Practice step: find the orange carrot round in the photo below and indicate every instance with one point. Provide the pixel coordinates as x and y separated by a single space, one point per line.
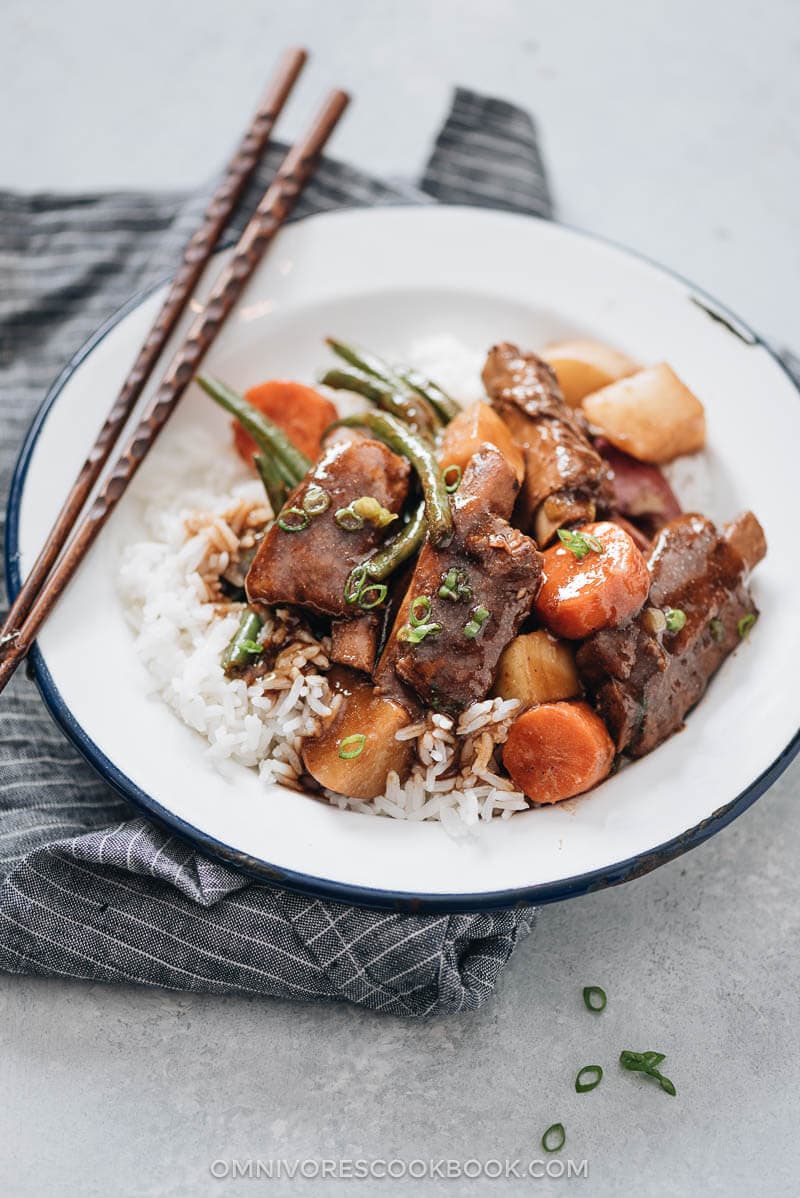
300 411
599 583
558 750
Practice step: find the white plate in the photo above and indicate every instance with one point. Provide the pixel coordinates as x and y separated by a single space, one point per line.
395 279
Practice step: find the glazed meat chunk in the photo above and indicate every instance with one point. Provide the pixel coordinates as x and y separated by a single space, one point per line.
309 567
646 676
354 643
466 601
565 478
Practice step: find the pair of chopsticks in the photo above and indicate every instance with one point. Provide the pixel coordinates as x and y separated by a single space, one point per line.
56 565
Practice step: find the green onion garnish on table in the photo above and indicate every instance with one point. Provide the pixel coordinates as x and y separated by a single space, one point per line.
588 1078
554 1138
594 998
646 1062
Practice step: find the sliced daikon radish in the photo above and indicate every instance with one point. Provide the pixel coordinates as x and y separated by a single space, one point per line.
585 366
653 416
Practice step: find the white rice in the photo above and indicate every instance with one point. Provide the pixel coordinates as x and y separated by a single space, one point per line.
167 584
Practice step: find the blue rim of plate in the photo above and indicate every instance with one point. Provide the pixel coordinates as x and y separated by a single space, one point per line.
263 871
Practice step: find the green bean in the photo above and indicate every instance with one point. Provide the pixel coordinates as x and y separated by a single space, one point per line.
400 377
377 391
399 549
270 439
363 360
396 399
239 651
274 485
445 407
381 565
402 440
288 474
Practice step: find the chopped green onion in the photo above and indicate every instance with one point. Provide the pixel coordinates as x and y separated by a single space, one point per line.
676 619
369 509
455 586
744 625
717 630
554 1138
352 746
452 478
646 1062
592 1072
380 593
473 627
348 519
419 611
594 998
580 543
415 634
355 584
316 501
293 519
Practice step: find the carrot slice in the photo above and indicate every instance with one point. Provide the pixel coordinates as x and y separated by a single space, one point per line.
300 411
580 595
558 750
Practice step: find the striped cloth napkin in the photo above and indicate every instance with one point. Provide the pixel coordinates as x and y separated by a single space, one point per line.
89 889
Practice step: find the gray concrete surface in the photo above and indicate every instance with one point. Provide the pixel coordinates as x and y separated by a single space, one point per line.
673 129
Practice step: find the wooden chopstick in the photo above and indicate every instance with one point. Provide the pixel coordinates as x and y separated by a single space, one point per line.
196 254
276 204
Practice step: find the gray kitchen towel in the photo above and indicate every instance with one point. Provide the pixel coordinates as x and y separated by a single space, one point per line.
89 889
